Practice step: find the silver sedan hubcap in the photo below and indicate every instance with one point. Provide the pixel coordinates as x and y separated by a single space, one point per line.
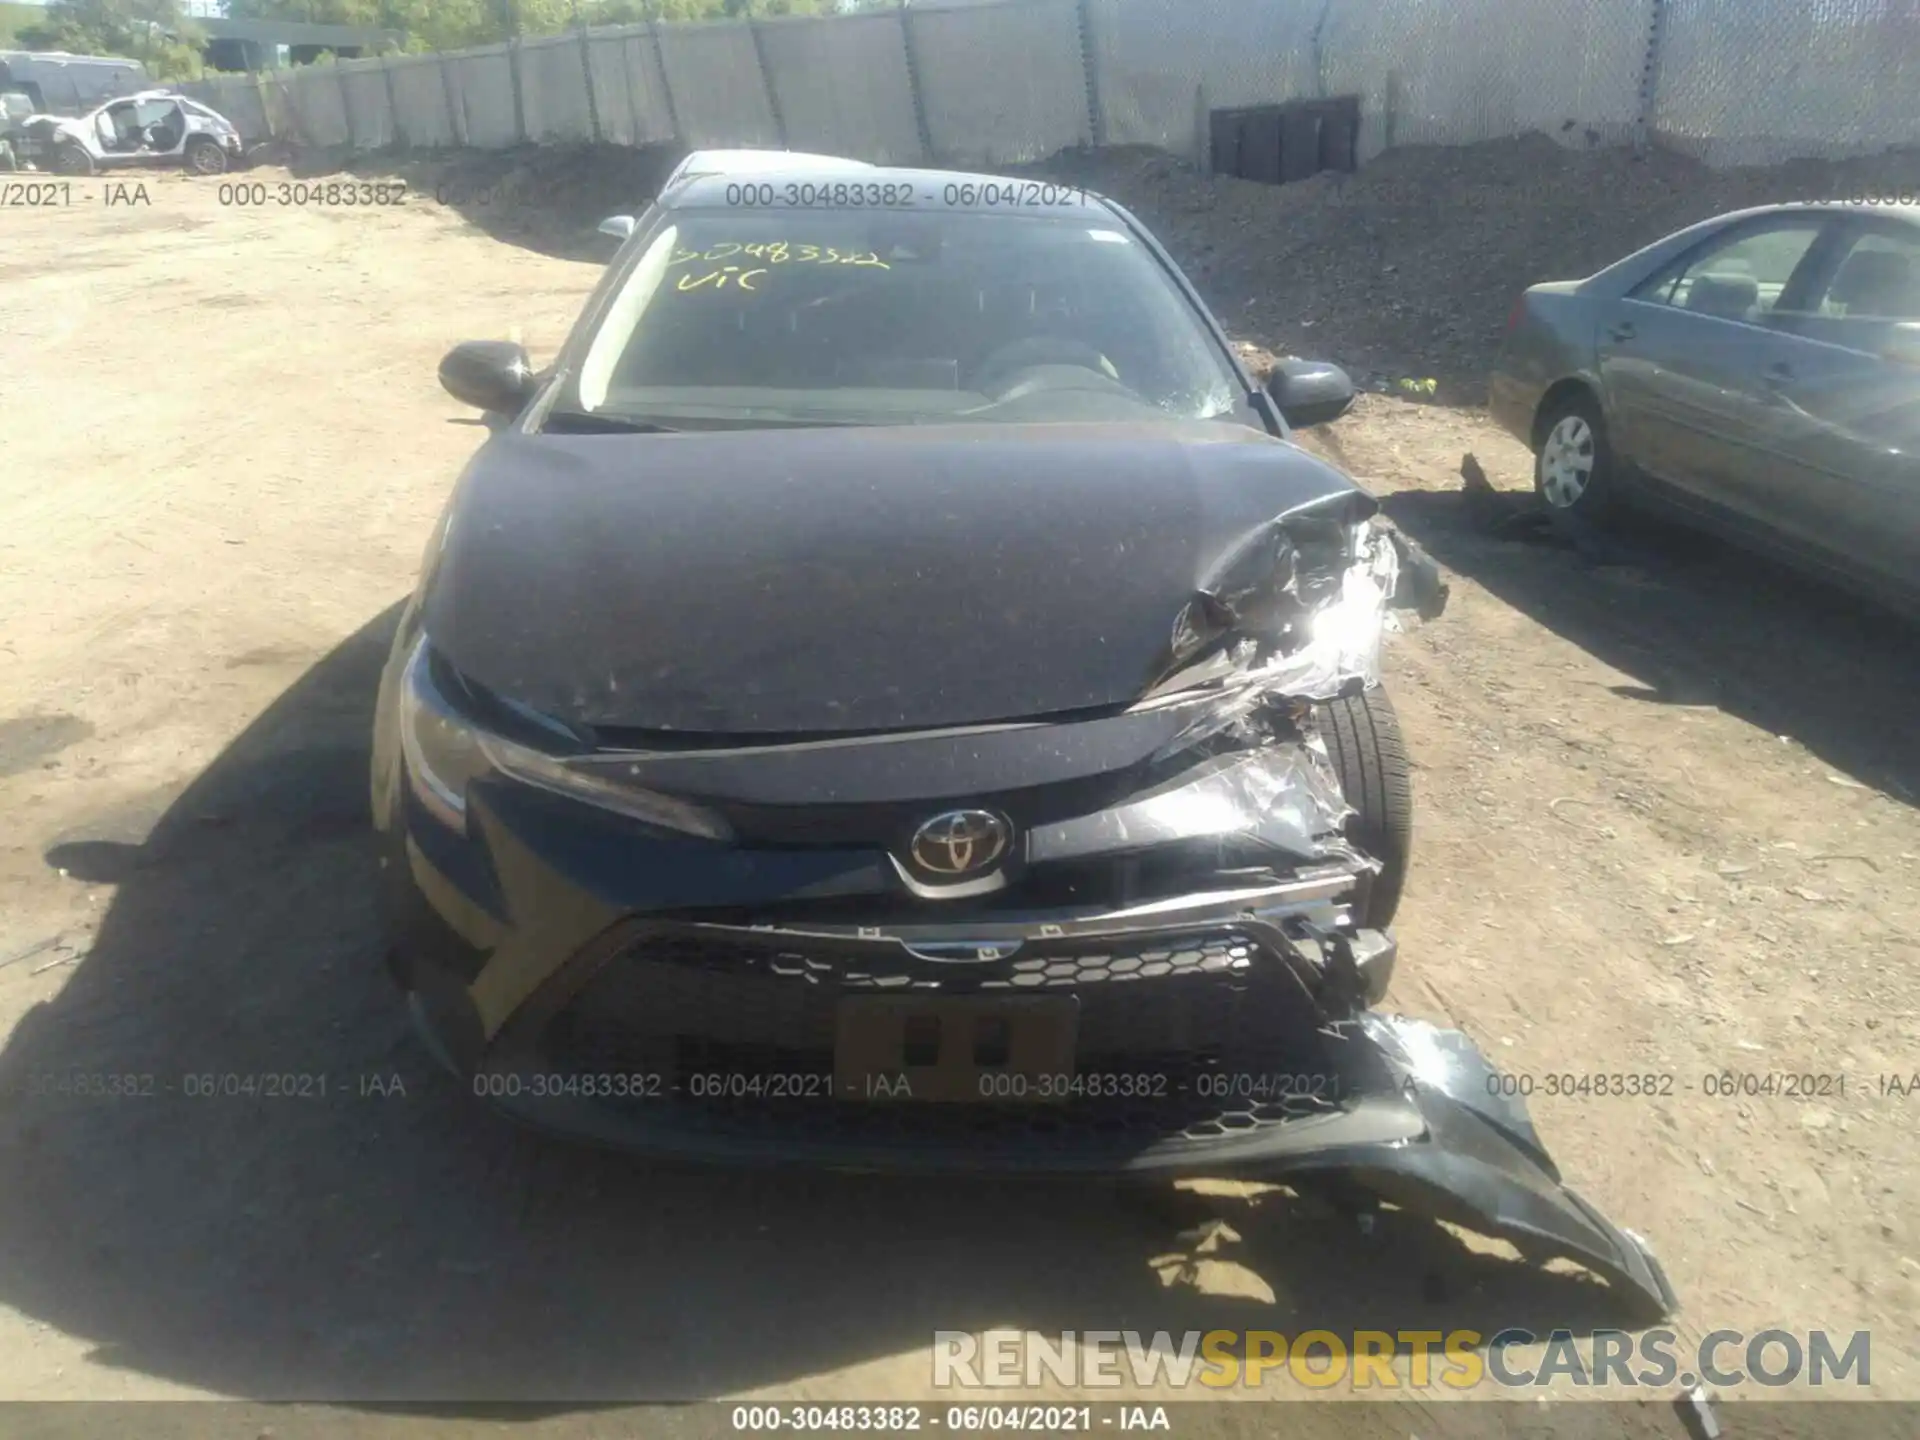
1566 462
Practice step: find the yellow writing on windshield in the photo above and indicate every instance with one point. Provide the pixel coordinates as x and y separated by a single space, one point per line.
779 252
719 279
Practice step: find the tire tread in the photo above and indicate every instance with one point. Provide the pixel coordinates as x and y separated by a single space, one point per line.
1370 755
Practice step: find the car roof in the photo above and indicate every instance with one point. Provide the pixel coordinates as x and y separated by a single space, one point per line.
1630 269
931 190
1900 209
737 162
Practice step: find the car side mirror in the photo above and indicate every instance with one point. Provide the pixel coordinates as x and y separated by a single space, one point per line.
618 226
491 375
1310 392
1902 345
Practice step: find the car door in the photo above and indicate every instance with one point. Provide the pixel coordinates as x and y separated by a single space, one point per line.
165 125
1678 356
1840 412
115 131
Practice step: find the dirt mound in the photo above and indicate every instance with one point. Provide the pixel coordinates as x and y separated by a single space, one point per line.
547 198
1409 268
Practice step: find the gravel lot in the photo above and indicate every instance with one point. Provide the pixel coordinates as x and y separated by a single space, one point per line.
1667 824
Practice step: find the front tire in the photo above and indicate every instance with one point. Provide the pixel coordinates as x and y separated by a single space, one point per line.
205 157
71 158
1573 467
1364 742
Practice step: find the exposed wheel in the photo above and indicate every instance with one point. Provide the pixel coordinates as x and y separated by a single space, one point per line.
1573 470
70 157
205 157
1363 740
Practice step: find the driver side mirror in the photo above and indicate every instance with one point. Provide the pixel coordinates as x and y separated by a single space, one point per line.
1903 345
618 226
1310 392
491 375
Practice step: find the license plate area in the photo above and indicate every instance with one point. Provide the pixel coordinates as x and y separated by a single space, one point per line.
1015 1049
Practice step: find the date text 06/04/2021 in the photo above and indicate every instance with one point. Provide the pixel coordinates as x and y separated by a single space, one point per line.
1042 1419
901 194
206 1085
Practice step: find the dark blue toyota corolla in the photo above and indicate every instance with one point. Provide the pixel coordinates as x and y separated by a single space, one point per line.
891 696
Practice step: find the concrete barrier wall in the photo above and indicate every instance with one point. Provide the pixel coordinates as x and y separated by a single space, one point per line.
1001 83
420 111
843 87
483 93
1756 82
1007 81
369 106
1450 72
628 87
1157 69
553 89
719 93
318 106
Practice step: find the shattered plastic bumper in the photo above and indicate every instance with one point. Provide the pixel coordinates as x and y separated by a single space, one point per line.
1420 1129
1252 1007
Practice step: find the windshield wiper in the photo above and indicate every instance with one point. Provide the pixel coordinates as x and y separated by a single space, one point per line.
580 422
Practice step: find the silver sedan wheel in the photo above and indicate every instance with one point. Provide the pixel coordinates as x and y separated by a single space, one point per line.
1566 462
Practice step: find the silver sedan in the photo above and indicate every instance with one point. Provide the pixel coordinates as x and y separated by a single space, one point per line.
1758 373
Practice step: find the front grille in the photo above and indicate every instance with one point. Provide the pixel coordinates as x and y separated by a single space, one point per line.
1222 1022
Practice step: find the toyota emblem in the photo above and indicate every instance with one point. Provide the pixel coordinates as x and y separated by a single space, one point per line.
961 842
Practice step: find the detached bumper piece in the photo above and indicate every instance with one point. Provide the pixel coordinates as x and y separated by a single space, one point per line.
1219 1049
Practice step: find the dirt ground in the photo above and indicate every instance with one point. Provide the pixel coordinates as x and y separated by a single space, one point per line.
1667 824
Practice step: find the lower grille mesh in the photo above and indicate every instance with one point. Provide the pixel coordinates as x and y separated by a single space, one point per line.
1195 1037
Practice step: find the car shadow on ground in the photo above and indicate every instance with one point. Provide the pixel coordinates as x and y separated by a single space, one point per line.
1695 621
358 1229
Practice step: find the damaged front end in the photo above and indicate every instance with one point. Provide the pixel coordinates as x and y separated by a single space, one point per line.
1293 619
1125 943
1299 607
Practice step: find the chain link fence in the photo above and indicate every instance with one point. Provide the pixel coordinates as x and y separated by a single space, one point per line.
1753 81
1011 81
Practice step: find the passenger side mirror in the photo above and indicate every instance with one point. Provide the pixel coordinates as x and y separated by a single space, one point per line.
618 226
1903 345
491 375
1310 392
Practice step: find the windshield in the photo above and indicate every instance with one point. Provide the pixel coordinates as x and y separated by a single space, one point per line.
836 318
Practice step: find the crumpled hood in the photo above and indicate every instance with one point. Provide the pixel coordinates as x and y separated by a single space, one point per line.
806 581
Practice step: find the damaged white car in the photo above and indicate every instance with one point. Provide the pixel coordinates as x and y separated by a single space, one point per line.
155 128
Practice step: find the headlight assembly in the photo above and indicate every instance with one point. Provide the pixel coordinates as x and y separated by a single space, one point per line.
445 752
442 750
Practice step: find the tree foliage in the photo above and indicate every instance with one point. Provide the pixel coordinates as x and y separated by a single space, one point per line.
453 24
154 32
622 12
158 33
